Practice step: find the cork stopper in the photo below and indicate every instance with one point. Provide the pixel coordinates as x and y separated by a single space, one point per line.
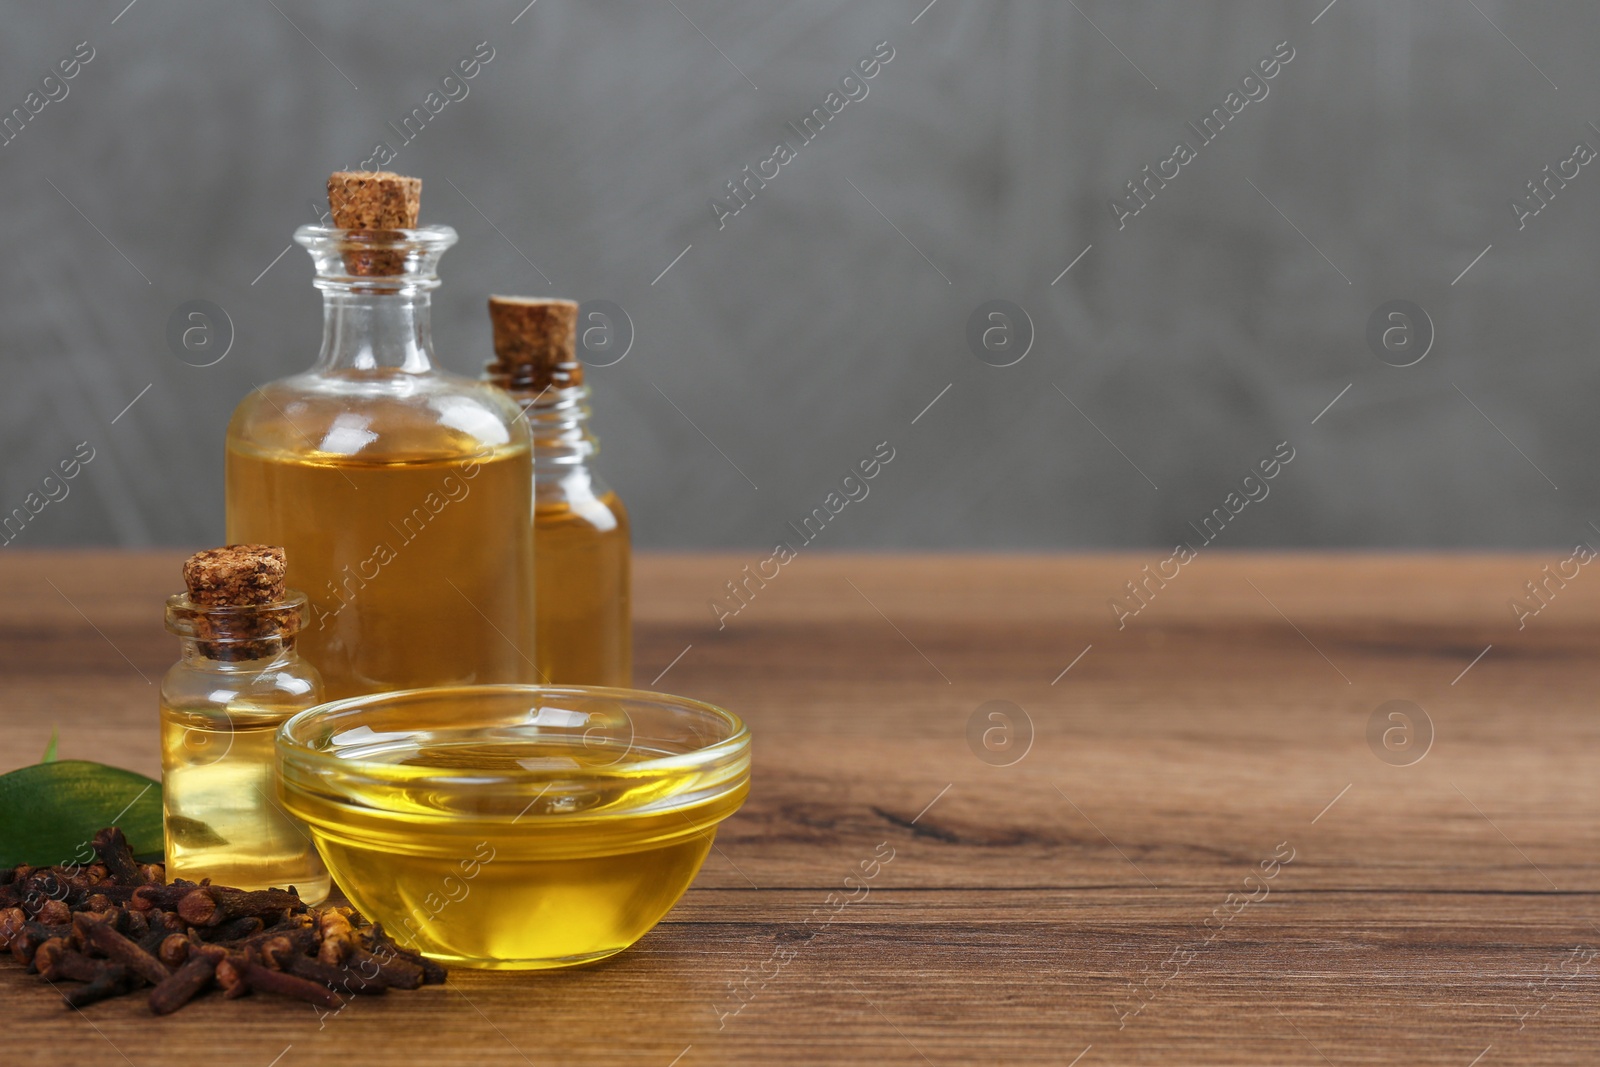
224 584
374 200
235 576
535 343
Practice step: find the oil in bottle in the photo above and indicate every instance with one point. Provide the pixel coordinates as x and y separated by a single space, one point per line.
402 494
581 528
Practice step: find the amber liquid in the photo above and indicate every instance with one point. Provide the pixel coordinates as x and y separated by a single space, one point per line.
418 571
585 612
223 819
546 882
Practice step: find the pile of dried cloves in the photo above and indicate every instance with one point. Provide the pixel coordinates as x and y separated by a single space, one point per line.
116 927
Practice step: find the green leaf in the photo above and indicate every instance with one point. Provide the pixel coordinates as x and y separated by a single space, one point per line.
50 749
49 812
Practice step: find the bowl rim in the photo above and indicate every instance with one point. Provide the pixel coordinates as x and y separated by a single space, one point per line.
290 749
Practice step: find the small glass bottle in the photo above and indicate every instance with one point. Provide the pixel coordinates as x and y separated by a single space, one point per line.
239 678
581 534
402 493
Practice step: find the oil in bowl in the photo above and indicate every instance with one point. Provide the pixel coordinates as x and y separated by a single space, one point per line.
514 826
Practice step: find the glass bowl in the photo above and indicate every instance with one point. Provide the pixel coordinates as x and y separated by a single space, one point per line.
514 826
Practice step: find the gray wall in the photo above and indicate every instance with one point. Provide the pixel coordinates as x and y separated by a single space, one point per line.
827 314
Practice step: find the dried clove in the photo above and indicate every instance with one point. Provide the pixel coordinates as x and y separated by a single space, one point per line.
102 936
39 888
174 950
112 848
114 927
265 980
69 963
385 947
54 913
48 952
135 924
26 941
151 942
11 922
346 978
188 981
160 897
235 929
214 905
394 969
302 940
338 936
230 978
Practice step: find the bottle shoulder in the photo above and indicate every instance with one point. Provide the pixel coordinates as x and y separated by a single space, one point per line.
579 503
381 416
275 691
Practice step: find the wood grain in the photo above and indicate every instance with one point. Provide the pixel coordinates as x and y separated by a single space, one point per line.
1430 912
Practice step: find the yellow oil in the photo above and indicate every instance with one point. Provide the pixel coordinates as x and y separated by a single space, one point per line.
544 877
223 818
418 571
585 622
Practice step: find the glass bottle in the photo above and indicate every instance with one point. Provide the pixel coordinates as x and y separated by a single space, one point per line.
581 532
239 678
402 494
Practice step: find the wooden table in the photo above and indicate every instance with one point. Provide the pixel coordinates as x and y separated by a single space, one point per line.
1103 899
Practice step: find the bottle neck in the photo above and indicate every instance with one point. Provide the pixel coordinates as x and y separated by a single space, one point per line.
375 296
236 637
368 330
242 657
558 419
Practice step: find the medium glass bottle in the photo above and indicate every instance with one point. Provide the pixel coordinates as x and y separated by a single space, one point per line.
581 534
403 494
239 678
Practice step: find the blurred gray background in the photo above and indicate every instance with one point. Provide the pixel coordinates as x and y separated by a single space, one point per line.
824 318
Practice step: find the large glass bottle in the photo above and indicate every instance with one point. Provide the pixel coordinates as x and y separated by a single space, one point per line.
581 534
402 494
